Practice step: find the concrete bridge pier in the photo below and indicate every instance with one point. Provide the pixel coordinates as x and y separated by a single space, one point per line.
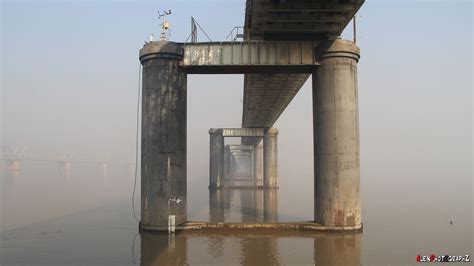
13 167
163 153
103 169
270 158
226 163
258 162
252 164
216 160
65 168
336 137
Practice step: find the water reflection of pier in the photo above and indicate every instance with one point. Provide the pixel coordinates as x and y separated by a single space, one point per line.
256 205
256 248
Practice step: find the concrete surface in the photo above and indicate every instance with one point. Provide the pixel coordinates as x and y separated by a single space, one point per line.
249 57
270 158
163 153
336 137
267 95
216 157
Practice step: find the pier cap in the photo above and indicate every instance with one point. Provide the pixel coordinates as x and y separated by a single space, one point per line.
342 48
161 49
271 131
215 131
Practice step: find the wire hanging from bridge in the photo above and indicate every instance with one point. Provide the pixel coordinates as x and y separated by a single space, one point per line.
136 143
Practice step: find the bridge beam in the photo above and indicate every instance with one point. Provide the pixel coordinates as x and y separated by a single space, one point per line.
249 57
258 162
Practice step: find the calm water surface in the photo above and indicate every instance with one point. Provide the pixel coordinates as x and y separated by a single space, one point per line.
96 227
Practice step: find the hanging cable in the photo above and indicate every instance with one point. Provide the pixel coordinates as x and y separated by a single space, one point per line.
136 142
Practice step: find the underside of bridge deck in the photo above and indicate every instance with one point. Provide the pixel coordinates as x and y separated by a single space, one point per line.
267 95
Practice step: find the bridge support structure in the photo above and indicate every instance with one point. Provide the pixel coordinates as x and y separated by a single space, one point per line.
258 161
13 165
163 152
336 137
219 162
227 161
335 120
270 158
216 157
239 154
65 168
103 169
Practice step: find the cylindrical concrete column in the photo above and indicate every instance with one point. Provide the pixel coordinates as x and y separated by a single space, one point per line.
258 162
252 164
226 163
270 158
232 166
163 147
246 162
103 167
216 158
65 169
336 137
13 165
259 165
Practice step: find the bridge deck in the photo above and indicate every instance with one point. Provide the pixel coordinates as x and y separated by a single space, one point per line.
267 95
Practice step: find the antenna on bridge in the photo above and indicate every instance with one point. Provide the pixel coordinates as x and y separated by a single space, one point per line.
194 35
194 31
165 25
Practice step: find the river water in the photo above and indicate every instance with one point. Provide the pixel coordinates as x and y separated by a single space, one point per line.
85 218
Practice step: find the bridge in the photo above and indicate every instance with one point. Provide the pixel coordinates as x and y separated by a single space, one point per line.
14 156
284 43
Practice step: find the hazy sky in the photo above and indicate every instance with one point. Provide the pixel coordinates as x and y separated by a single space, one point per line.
69 74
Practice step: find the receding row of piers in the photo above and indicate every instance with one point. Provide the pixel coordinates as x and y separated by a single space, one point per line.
335 121
231 163
244 161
